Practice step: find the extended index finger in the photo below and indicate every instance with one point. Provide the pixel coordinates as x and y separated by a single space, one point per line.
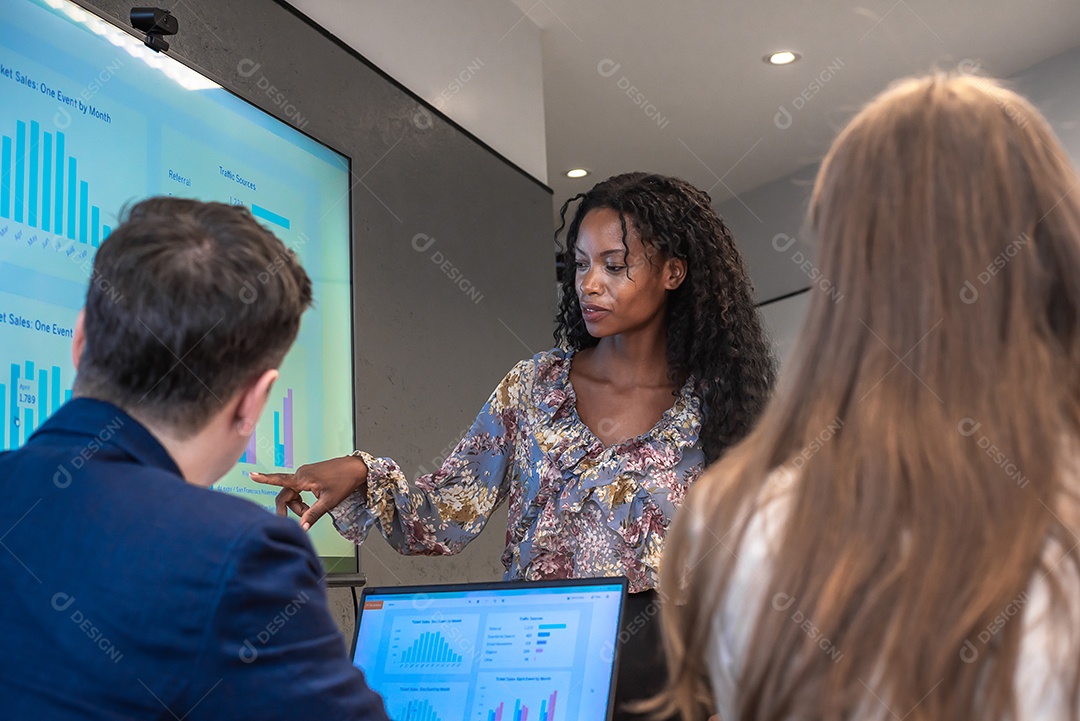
282 480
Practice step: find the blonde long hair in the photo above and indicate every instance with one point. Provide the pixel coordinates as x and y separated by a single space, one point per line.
928 417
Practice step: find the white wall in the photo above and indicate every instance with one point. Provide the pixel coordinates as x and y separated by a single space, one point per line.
1054 87
477 61
767 223
783 319
768 220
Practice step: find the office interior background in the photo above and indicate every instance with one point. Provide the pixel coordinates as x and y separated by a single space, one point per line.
462 118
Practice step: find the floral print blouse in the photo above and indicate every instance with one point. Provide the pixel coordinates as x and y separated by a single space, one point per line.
578 509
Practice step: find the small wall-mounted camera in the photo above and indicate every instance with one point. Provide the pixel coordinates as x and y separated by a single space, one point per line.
156 23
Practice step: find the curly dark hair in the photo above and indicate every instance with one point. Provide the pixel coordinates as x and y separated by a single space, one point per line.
714 332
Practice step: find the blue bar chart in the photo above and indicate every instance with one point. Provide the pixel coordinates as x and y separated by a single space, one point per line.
283 437
442 644
509 642
522 697
421 700
270 216
522 711
430 648
417 710
41 186
28 397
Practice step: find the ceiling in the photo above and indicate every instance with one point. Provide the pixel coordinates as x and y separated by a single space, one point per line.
680 87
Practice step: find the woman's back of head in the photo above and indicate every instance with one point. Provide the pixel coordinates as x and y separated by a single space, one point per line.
946 214
927 417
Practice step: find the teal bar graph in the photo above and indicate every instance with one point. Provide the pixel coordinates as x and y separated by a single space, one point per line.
58 189
271 217
417 711
430 647
35 188
46 183
283 435
73 166
20 168
32 199
29 397
54 406
5 182
43 393
13 411
84 202
521 711
28 412
279 449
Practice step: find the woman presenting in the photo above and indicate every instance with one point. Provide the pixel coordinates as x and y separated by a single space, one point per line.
662 364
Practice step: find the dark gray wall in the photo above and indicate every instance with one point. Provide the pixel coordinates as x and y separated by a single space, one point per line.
428 352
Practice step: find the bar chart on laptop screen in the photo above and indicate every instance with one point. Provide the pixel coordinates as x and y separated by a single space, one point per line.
504 654
426 701
441 643
522 697
515 639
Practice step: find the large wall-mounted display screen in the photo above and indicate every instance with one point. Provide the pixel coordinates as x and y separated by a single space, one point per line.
91 120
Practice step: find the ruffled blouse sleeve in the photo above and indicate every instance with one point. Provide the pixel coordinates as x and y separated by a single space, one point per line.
441 512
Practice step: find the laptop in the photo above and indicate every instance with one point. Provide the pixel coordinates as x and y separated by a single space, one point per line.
511 651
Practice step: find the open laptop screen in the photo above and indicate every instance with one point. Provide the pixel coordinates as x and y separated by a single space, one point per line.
537 651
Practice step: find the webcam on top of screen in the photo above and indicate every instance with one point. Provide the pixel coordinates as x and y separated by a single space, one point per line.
156 23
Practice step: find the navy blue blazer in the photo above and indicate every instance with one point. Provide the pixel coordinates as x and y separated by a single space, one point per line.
130 594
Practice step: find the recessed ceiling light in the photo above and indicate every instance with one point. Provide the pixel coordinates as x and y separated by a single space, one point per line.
784 57
577 173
